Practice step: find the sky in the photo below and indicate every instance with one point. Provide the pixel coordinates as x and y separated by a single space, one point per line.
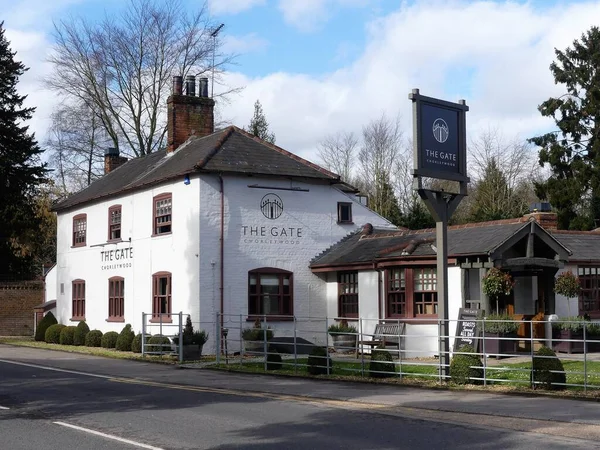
320 67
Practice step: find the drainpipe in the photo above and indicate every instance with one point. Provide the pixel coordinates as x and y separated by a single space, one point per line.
222 245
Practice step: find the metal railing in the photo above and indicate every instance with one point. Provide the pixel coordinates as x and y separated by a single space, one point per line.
509 359
163 325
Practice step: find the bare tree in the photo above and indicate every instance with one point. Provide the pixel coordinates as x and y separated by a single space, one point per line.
76 144
337 153
378 156
122 66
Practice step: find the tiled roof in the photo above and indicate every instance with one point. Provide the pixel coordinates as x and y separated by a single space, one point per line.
230 150
463 240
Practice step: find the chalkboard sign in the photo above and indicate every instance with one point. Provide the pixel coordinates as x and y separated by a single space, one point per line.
467 328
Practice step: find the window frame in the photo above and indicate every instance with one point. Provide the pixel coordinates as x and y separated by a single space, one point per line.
116 303
155 200
83 219
410 293
592 288
340 206
77 302
254 300
344 297
112 209
156 298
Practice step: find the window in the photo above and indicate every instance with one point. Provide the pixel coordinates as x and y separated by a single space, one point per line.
78 295
589 295
114 223
162 214
396 293
411 292
79 230
425 291
344 212
116 299
161 297
348 294
270 292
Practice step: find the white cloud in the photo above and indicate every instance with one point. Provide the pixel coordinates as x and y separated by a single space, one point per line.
505 49
310 15
232 6
244 44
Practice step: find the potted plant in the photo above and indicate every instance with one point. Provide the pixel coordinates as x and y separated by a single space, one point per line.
496 327
255 337
567 334
567 285
497 283
193 341
344 336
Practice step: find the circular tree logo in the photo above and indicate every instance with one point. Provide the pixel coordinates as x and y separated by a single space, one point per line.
271 206
440 130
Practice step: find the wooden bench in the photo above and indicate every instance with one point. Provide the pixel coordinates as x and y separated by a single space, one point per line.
386 332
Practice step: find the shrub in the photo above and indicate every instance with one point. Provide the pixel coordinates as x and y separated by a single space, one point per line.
506 325
464 369
47 320
547 370
52 335
93 338
125 339
158 343
574 324
109 339
382 364
274 361
80 333
67 334
318 362
188 331
257 334
342 327
136 344
199 337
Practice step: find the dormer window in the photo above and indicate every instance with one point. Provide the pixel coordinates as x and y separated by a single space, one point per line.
344 212
114 223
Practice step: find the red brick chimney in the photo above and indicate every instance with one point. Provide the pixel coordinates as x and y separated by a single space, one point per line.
542 213
112 160
188 114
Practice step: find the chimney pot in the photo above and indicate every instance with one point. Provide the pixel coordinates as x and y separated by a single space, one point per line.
190 85
203 88
177 84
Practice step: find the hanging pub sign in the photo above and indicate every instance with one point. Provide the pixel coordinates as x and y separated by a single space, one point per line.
439 138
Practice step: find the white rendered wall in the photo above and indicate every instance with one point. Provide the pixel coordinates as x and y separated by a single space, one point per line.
50 285
176 253
253 241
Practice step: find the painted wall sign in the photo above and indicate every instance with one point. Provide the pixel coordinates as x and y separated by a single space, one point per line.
118 258
440 138
271 206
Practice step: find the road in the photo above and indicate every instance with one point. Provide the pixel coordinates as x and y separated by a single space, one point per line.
45 405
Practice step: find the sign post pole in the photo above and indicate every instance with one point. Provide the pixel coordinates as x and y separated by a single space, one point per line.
439 133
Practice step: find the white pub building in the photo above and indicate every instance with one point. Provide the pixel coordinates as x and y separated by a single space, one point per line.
223 222
218 222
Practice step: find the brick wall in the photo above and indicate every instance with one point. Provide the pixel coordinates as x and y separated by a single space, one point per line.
17 300
188 116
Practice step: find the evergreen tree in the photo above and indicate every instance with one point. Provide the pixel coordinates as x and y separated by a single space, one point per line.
259 126
573 151
21 171
417 217
494 199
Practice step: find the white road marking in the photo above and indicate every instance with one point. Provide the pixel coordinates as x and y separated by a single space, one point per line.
106 377
4 407
108 436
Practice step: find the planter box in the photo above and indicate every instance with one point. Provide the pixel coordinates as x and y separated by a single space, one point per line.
344 343
192 352
593 346
560 345
496 344
254 346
